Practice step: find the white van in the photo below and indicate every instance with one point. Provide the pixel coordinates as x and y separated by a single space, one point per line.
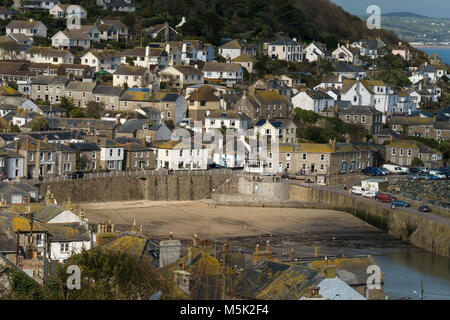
396 168
359 190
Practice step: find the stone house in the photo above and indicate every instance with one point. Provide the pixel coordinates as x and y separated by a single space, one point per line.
80 92
149 130
402 152
49 88
39 156
139 157
321 159
264 104
109 95
347 54
245 61
201 101
89 154
146 57
365 116
122 29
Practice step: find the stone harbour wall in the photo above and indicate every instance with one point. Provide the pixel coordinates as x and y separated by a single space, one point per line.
417 229
434 192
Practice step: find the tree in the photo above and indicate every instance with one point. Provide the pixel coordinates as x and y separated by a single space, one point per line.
130 61
14 128
77 113
39 124
67 104
95 109
80 160
416 162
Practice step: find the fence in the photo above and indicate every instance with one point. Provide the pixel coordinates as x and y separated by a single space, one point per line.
140 173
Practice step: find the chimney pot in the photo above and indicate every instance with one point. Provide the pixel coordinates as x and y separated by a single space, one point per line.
257 248
267 246
171 236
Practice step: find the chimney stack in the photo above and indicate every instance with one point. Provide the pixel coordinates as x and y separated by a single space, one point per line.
267 246
17 146
292 254
225 248
171 236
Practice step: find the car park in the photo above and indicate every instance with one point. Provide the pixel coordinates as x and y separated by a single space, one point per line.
400 203
396 169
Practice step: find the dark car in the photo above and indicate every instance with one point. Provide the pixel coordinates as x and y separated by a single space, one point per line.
400 203
371 171
425 209
76 175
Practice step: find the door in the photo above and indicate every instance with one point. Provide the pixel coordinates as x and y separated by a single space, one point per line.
313 167
280 167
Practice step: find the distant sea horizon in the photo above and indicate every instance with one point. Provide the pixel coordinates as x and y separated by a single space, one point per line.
444 53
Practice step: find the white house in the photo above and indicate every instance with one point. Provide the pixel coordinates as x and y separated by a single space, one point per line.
313 100
71 39
236 48
68 10
314 52
49 55
53 213
146 57
346 54
29 28
102 59
117 5
216 119
133 77
286 49
111 155
35 4
231 72
22 118
181 155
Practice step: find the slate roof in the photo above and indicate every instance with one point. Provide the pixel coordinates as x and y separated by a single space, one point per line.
131 126
108 91
48 51
84 146
235 44
204 93
187 70
227 114
129 70
24 24
345 68
279 123
221 67
81 86
47 80
48 213
284 42
336 289
117 23
271 280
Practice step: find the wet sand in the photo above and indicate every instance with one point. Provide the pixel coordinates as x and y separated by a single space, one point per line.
244 227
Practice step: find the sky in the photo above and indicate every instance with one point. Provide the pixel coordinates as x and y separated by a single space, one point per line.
429 8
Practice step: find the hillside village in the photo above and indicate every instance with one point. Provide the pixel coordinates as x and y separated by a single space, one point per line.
74 101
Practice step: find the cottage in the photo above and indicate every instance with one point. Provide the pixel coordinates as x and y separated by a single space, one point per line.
28 28
217 119
230 72
121 28
146 57
236 48
74 38
117 5
133 77
81 92
315 51
68 10
313 100
201 101
347 54
276 130
109 95
98 60
49 55
181 76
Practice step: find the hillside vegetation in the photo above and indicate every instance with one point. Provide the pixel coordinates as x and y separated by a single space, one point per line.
255 20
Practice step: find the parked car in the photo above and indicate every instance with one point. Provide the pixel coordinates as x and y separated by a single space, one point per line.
359 190
369 194
384 171
371 171
415 176
438 174
384 197
76 175
424 209
400 203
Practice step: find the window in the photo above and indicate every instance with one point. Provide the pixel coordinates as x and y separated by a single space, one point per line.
110 152
401 152
94 155
119 152
135 154
42 156
304 156
322 157
347 118
393 151
64 247
49 156
67 157
288 156
363 119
